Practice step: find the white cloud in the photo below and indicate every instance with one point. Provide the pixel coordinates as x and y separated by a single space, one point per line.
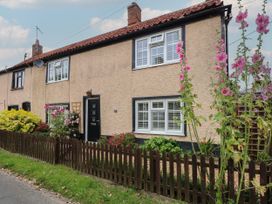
18 4
111 24
11 34
7 54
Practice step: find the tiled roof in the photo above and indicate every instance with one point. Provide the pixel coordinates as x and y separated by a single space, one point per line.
122 32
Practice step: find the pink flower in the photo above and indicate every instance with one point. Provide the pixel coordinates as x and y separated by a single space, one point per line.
221 57
181 57
241 16
265 70
181 77
262 22
218 68
251 70
46 106
262 29
187 68
239 63
178 48
226 91
257 58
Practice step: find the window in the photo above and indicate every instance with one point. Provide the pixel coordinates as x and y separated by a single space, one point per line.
13 107
58 70
18 80
162 116
141 52
26 106
172 39
157 49
52 107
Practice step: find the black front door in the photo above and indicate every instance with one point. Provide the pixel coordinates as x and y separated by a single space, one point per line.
93 119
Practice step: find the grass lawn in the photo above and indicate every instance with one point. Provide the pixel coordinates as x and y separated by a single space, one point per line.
74 185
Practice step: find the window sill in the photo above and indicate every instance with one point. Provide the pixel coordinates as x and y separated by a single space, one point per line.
161 133
16 89
53 82
156 65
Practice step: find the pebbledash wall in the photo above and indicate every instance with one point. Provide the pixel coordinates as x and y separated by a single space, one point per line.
109 73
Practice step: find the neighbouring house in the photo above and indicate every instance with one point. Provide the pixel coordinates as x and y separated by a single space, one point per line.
126 80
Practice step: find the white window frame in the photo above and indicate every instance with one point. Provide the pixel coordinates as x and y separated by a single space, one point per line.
55 65
180 132
149 44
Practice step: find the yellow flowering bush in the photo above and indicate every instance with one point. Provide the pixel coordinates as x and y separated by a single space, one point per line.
18 121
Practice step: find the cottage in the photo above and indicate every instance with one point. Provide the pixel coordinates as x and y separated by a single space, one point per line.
126 80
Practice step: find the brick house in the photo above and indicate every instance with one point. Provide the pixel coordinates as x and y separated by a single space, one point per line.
126 80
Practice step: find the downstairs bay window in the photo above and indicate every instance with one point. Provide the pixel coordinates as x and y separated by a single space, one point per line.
160 116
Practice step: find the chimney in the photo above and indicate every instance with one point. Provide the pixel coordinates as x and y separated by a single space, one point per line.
37 49
134 14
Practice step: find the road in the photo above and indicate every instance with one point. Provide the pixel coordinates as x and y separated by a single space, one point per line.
17 191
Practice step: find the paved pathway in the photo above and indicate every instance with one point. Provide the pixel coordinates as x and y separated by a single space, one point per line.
16 191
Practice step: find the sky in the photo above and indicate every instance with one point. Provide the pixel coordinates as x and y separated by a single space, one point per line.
66 21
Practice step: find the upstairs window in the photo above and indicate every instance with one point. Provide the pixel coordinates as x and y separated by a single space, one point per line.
18 80
157 49
58 70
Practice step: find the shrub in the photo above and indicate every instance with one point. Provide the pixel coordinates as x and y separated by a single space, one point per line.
42 130
163 145
123 139
18 121
207 147
103 140
42 127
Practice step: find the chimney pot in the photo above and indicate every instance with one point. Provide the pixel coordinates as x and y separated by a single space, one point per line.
134 14
37 49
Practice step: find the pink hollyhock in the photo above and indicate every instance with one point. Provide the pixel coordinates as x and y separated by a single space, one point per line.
181 57
257 58
221 57
179 46
262 19
251 70
239 63
241 16
262 29
218 68
262 22
187 68
266 70
226 91
181 77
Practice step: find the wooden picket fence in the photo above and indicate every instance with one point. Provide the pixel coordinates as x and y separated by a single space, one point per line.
188 178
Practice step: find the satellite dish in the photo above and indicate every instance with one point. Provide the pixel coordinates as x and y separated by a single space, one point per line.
38 63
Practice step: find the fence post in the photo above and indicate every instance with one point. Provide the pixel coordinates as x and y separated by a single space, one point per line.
57 150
